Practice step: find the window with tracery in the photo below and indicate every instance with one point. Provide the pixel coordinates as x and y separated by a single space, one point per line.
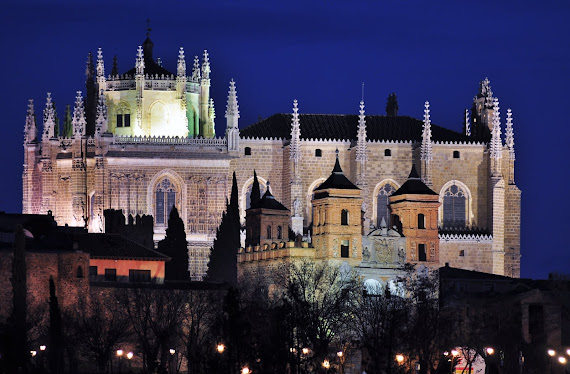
123 116
382 209
165 200
454 204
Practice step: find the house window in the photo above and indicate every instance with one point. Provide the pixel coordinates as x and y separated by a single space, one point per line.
268 236
344 217
92 272
344 250
139 275
421 221
454 201
462 253
279 232
422 256
165 200
247 151
455 154
387 152
110 275
79 272
382 210
318 153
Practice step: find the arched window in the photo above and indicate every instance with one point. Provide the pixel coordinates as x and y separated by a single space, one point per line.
279 232
165 200
247 151
344 217
344 248
387 152
421 221
268 236
455 154
123 116
318 153
382 209
79 272
454 204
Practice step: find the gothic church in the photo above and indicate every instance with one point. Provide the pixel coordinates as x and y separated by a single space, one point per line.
144 141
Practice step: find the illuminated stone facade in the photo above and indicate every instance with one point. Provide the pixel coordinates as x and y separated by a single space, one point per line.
143 142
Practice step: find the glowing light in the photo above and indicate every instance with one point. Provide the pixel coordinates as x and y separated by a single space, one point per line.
454 353
130 355
562 359
326 364
42 347
400 358
445 353
305 351
568 352
172 351
33 353
245 370
339 353
221 348
120 352
551 352
490 351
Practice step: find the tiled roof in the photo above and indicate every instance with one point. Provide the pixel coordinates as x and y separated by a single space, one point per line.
268 202
414 186
344 127
337 179
151 68
115 246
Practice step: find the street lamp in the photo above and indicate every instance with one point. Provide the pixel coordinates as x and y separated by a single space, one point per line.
551 353
490 351
221 348
33 353
245 370
130 355
400 359
562 360
42 347
326 364
305 351
120 356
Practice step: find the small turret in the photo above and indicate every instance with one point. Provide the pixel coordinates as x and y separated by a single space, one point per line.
496 145
181 66
101 122
89 69
100 64
232 116
361 155
139 62
426 148
78 122
196 76
49 119
30 129
211 118
509 135
467 124
206 67
295 145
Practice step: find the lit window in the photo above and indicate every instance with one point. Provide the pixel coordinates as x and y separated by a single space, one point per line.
165 200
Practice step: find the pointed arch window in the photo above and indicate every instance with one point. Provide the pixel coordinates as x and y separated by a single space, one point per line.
382 209
268 236
454 204
123 116
165 200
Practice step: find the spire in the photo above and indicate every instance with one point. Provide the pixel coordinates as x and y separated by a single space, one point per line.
89 70
100 64
196 76
232 110
30 129
509 135
426 135
392 105
78 122
295 146
49 119
467 123
485 92
115 69
361 155
139 63
496 143
414 173
337 169
101 119
181 63
211 112
206 66
148 44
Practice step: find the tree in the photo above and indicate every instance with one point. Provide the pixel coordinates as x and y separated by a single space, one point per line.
392 105
55 332
174 245
255 195
67 126
223 255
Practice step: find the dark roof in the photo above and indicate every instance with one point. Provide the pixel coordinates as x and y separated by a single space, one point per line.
337 179
345 126
39 225
115 246
414 186
448 272
152 68
268 202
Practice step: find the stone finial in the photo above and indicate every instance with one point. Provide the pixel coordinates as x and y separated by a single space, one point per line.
206 66
295 146
467 123
78 120
361 136
486 92
232 108
181 67
101 121
139 62
30 129
49 118
196 75
100 64
426 148
496 143
509 135
211 110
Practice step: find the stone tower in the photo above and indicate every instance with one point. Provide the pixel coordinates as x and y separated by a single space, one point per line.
267 221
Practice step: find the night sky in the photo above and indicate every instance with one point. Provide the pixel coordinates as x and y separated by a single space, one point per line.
320 52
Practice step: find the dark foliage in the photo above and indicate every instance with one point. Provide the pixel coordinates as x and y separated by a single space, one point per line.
174 245
55 332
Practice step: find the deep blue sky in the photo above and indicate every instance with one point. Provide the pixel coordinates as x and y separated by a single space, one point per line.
320 52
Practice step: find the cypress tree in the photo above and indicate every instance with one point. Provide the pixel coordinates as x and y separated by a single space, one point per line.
67 126
55 332
56 127
255 192
174 245
222 266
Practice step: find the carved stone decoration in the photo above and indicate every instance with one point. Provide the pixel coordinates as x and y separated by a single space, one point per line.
297 207
47 166
366 254
99 163
413 251
383 251
317 247
401 255
432 250
335 247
